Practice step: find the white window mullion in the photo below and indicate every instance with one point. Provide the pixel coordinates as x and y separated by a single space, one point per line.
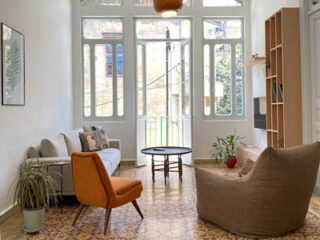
183 79
144 69
243 81
93 79
114 80
233 79
213 79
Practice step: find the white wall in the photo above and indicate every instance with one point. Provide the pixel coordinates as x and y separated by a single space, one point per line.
46 25
260 11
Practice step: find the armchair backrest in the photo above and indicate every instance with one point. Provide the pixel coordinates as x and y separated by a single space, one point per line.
91 181
283 180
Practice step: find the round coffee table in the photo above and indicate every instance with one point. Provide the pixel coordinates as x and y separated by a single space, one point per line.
167 165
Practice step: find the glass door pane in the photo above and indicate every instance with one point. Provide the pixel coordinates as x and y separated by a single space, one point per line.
223 79
104 80
87 80
207 79
141 101
120 79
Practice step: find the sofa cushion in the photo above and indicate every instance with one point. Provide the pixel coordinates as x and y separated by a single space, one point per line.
54 147
34 152
73 142
102 132
91 141
111 158
123 185
103 135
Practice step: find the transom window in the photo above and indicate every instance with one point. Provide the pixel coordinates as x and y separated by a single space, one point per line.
101 2
222 3
223 47
102 43
139 3
156 29
147 3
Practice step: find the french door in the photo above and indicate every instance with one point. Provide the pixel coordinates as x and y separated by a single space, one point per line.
163 95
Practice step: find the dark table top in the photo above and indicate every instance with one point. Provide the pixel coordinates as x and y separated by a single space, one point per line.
166 151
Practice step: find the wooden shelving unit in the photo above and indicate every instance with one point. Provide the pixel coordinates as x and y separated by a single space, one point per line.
284 111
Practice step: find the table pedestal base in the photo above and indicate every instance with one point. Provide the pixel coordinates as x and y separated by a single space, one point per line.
167 167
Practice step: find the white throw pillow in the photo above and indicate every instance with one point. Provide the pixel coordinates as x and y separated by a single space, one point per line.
54 147
73 142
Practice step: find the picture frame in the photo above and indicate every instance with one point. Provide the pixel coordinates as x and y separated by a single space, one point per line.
12 51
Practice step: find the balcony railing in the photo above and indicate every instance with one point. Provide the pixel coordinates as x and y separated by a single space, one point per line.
157 131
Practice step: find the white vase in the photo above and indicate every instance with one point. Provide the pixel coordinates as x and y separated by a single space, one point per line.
33 220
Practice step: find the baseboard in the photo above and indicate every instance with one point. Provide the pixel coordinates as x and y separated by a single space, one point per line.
128 162
8 214
204 161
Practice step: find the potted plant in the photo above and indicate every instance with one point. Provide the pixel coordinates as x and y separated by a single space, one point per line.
225 149
33 192
217 150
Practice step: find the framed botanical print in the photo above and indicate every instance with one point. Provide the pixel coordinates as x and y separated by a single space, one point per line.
12 66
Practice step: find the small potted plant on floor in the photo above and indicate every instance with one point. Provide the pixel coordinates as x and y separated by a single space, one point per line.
225 149
34 189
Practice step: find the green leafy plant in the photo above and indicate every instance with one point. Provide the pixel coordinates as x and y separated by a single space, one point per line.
35 187
225 148
217 149
12 66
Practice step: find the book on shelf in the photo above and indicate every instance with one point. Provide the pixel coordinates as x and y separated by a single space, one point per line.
281 91
274 91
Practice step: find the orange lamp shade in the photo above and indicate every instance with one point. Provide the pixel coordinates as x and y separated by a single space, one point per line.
167 5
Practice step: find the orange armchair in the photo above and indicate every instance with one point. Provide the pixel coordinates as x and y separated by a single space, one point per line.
94 187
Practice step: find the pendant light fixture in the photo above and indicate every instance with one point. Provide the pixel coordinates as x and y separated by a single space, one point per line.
167 8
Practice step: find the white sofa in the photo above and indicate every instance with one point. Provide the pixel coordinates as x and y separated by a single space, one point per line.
65 144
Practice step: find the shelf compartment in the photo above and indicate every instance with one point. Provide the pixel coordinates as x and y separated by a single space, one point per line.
278 28
274 139
274 92
280 89
273 63
281 142
268 102
274 125
272 32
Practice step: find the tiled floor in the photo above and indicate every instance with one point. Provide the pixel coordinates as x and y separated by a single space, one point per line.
169 212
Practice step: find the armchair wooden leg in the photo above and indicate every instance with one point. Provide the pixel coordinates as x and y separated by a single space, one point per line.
135 204
78 214
107 218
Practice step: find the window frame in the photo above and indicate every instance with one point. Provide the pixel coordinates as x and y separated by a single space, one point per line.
92 43
212 43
